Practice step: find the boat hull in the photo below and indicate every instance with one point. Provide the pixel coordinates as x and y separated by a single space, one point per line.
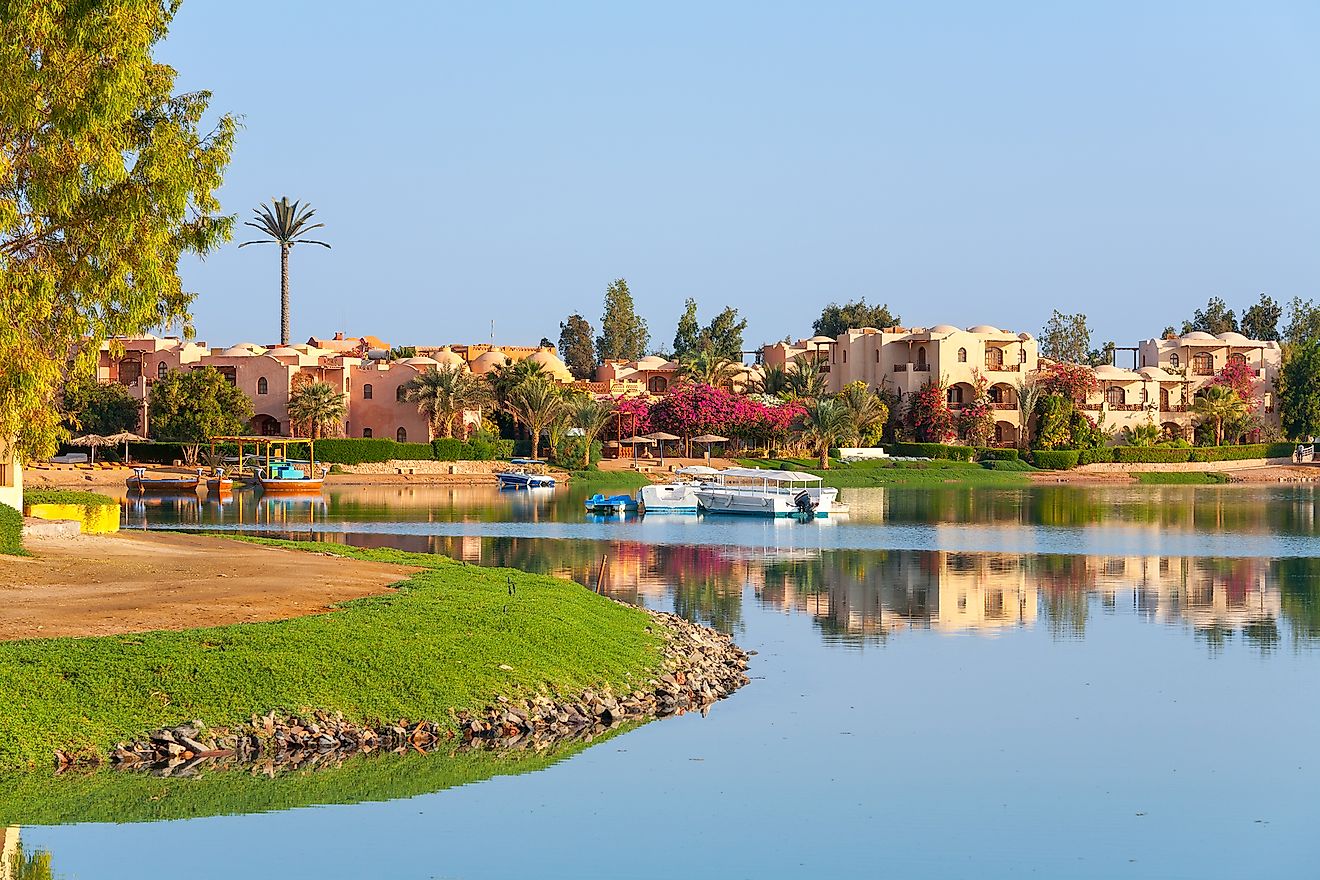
161 486
612 504
291 487
219 485
668 498
525 481
720 500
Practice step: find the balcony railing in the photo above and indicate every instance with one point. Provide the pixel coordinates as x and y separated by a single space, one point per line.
921 368
900 368
1004 368
1004 407
1127 407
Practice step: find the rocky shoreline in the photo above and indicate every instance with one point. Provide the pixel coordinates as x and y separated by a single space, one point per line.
699 667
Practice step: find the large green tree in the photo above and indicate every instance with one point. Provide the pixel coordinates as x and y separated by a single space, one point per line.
1214 319
192 406
93 408
1299 390
537 404
577 347
285 224
724 334
1261 321
1303 321
1219 406
835 319
1066 338
107 177
623 334
687 336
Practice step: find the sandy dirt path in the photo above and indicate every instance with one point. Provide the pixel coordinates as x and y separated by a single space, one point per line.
133 582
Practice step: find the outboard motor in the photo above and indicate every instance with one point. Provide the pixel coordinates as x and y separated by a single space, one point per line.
804 503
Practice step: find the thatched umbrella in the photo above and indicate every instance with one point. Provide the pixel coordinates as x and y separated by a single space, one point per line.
660 437
92 441
126 437
708 439
634 442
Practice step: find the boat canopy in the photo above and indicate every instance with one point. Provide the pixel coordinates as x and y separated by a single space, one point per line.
771 476
697 470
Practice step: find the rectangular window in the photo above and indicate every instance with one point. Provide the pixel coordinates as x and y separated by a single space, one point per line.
6 474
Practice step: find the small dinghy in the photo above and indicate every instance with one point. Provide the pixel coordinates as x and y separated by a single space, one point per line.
140 482
219 482
523 480
611 504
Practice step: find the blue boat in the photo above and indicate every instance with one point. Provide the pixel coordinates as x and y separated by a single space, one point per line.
521 480
611 504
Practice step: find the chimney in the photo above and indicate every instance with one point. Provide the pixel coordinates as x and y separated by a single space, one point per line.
339 337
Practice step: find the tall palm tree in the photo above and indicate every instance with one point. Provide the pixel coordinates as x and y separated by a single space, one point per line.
709 368
772 381
444 393
285 224
805 380
507 377
1221 406
591 416
536 404
865 408
1028 393
826 423
317 405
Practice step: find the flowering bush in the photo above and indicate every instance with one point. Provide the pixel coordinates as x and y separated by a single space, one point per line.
976 420
1240 377
634 415
702 409
1073 381
928 414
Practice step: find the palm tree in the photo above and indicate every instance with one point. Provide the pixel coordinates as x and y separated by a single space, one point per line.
1146 434
864 406
285 223
1028 393
316 405
805 380
591 416
444 393
826 423
772 381
709 368
510 375
536 404
1222 406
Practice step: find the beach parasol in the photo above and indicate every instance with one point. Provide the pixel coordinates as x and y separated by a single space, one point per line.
660 437
634 442
125 437
91 441
708 439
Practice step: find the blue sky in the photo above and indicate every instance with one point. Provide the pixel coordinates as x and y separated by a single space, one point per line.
964 162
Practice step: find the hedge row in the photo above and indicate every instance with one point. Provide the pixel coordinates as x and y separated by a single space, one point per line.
1151 454
11 530
67 496
1238 453
994 453
1056 459
1166 454
931 450
375 449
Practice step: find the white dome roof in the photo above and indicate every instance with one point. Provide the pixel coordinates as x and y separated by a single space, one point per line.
282 351
984 328
244 349
820 339
489 361
1154 373
449 358
1112 371
420 362
1235 338
1198 336
944 328
551 364
651 362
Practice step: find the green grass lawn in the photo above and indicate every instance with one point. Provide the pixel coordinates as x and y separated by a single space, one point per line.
1179 478
435 645
866 474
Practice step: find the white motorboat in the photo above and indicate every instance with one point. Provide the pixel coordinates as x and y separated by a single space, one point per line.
668 498
756 492
517 479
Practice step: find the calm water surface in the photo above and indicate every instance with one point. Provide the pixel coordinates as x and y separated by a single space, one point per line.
1052 681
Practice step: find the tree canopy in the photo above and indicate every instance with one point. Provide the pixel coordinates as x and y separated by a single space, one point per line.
93 408
576 346
1216 318
687 337
835 319
1066 338
192 406
1261 321
1299 390
317 407
722 337
623 334
1303 321
106 178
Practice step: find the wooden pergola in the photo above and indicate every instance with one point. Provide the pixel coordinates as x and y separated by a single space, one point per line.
269 445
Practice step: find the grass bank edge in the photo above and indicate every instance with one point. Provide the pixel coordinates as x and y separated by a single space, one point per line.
435 646
865 474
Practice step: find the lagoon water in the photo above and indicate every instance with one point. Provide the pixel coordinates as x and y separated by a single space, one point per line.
1048 681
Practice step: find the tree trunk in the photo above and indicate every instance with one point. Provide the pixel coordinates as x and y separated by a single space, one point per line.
586 455
824 456
536 440
284 294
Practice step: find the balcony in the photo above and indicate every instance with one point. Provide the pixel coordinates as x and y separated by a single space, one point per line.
998 406
1126 407
1004 368
921 368
900 368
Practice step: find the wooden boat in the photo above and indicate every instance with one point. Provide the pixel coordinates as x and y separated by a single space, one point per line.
522 480
218 482
140 482
282 478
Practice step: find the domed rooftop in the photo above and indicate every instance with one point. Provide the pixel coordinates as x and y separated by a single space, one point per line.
944 328
551 364
1235 338
1154 373
282 351
1198 336
447 357
1113 372
984 328
420 362
489 361
1025 337
820 339
651 362
244 349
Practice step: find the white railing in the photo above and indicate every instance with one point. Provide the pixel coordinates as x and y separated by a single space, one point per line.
1306 453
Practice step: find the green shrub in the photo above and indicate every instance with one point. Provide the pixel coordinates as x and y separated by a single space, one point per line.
413 451
931 450
989 453
1095 455
568 453
1239 453
448 449
356 450
1006 464
1152 454
503 449
67 496
1056 459
11 531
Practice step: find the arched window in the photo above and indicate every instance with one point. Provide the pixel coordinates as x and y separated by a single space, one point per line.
401 435
366 391
1203 364
994 358
1237 357
1173 360
921 358
366 432
1115 396
955 394
1022 355
161 369
1145 394
657 385
401 393
962 355
263 387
